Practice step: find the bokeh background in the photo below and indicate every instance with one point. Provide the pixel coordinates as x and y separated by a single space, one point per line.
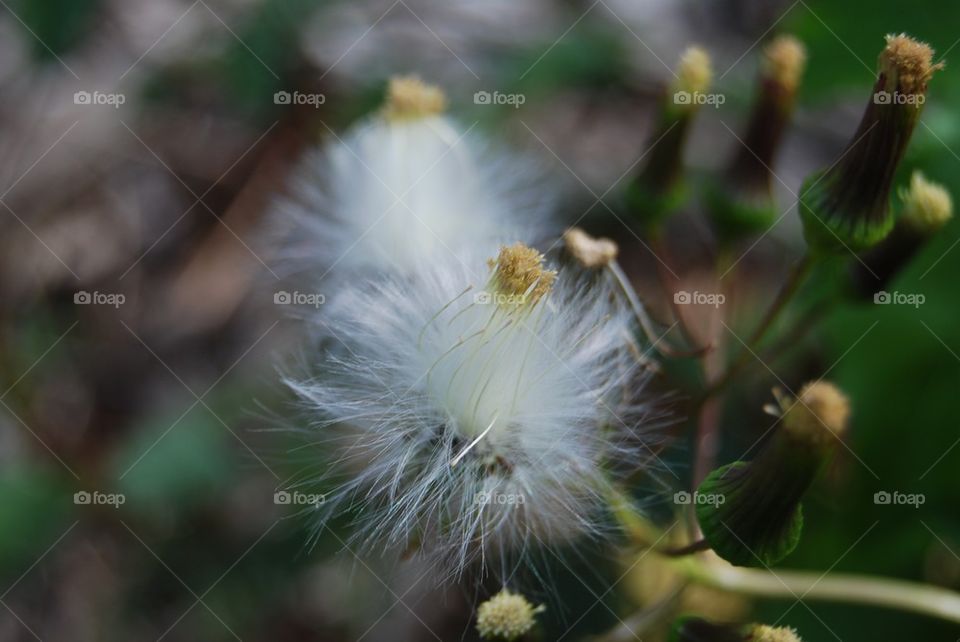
168 393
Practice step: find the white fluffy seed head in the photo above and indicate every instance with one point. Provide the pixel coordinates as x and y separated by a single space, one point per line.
469 430
406 183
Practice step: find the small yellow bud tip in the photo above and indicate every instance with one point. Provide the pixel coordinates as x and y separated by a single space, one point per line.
589 252
408 97
695 72
907 64
927 206
764 633
506 616
784 60
821 412
518 274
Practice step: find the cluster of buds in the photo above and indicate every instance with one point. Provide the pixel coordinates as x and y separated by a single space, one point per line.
845 206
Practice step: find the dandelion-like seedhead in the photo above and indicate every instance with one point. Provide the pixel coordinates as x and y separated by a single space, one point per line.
406 183
469 430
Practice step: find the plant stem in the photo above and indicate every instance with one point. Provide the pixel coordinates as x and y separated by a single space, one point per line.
854 589
797 276
659 249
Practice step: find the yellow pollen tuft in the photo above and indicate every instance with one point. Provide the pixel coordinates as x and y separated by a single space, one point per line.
590 252
694 72
820 412
927 206
519 276
408 98
907 64
506 616
764 633
784 60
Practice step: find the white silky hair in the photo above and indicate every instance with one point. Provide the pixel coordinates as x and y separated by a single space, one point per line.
469 431
389 192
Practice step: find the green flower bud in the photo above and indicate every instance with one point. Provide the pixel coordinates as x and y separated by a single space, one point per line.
659 189
759 519
741 203
927 207
848 204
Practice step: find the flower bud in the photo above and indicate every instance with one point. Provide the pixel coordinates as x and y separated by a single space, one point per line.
926 208
409 98
848 204
694 629
519 275
588 251
659 189
506 616
742 203
759 519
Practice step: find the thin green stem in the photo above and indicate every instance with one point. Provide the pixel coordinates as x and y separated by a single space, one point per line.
834 587
796 278
799 273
